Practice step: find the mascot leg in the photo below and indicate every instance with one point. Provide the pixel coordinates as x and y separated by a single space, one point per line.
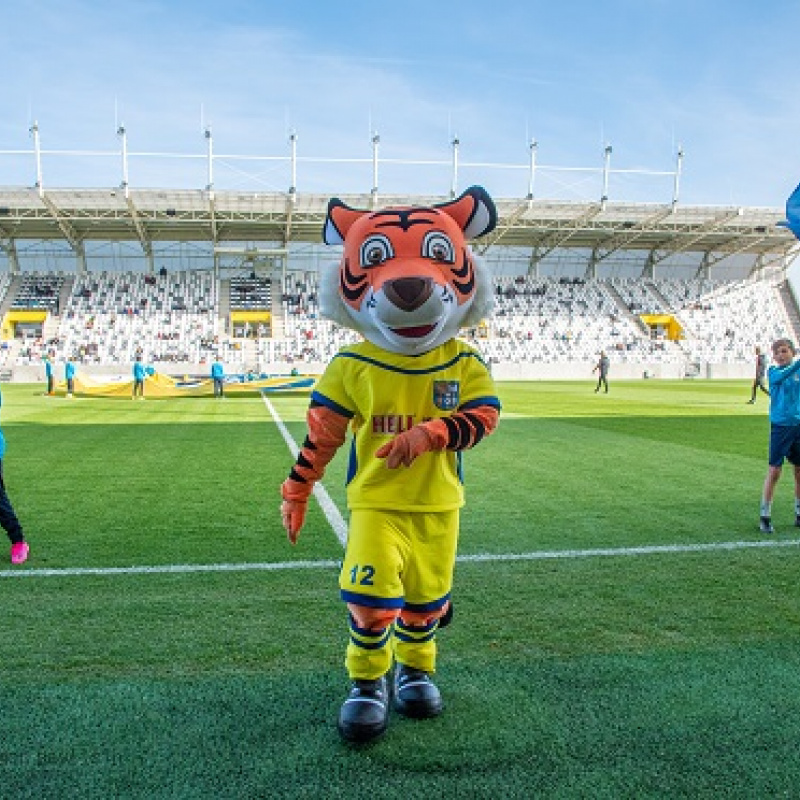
365 713
415 694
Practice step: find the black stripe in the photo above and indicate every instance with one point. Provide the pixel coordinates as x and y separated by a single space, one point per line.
302 461
452 433
296 476
309 444
464 430
480 428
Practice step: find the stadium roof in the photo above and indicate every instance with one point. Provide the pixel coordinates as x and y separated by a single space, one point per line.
281 219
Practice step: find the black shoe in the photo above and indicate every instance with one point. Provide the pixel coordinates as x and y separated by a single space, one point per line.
415 694
365 713
797 521
750 402
766 525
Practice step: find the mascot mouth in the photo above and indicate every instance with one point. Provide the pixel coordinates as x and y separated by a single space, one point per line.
415 332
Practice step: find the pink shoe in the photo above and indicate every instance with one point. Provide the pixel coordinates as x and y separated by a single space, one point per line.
19 552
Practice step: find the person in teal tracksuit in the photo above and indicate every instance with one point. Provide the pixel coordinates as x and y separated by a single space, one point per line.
139 373
8 518
218 376
69 376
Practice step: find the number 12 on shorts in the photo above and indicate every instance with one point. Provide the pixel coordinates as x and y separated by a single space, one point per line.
362 575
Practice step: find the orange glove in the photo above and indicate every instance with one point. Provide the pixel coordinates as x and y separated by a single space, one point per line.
327 431
294 505
406 446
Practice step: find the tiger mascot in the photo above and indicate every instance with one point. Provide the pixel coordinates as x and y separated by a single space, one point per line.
414 397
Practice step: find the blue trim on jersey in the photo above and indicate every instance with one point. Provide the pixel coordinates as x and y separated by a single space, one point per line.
372 602
481 401
328 403
352 463
391 368
435 605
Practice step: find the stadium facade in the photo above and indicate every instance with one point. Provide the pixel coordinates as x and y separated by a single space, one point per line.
573 276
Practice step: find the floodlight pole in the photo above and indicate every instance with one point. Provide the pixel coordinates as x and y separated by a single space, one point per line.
210 150
454 182
34 131
293 146
376 140
678 169
123 135
606 170
532 171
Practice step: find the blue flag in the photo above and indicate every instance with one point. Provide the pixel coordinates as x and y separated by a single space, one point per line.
792 221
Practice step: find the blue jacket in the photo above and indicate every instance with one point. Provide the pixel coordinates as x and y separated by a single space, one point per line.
784 389
217 371
138 371
69 370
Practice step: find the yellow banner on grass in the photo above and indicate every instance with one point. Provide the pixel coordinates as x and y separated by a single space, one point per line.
160 385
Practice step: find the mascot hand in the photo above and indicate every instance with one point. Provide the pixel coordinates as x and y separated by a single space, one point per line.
294 505
405 447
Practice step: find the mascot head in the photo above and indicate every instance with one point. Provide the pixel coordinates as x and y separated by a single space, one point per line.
407 280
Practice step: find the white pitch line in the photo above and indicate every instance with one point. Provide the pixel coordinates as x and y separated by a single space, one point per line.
332 513
540 555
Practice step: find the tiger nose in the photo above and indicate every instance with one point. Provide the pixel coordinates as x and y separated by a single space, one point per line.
408 294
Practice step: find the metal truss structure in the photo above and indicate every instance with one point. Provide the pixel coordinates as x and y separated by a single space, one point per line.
271 224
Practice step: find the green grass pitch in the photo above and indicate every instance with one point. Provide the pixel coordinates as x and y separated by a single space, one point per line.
603 645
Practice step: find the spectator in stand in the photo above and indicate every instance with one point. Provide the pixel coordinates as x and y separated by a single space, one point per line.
8 518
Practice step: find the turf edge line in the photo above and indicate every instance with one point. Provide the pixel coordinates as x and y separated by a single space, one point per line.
275 566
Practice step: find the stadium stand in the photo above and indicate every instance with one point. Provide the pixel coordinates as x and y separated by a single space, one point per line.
176 321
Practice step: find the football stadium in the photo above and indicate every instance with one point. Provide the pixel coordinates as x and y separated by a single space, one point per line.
621 626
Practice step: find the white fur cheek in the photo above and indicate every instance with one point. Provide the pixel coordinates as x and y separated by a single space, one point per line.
331 305
483 299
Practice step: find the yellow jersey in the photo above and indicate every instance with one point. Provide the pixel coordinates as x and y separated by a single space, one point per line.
385 394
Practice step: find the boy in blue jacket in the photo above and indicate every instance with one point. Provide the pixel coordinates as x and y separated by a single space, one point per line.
784 417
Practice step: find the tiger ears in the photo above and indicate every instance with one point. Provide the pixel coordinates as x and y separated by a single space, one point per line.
338 221
473 211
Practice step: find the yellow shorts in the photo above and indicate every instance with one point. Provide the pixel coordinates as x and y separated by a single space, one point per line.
400 559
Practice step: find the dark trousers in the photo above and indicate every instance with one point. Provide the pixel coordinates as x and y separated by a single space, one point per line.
758 383
49 384
138 388
602 381
8 519
218 389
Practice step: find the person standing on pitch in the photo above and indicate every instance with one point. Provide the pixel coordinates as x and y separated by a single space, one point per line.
48 373
761 371
784 436
8 518
218 376
138 378
602 369
69 377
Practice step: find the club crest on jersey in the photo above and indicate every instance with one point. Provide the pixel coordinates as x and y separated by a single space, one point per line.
445 395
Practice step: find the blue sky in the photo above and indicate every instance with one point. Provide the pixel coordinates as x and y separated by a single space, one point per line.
643 76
